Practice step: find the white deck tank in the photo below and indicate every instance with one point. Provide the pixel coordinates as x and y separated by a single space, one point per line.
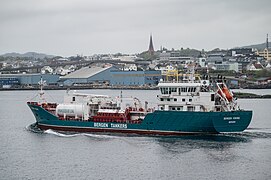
70 110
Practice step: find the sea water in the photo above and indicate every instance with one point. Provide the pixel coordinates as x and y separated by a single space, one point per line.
28 153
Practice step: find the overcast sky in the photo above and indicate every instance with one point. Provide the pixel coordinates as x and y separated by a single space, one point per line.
70 27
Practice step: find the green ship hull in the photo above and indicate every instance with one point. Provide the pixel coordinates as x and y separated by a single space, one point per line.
156 123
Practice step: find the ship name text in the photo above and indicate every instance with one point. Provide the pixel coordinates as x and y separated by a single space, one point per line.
122 126
110 125
102 125
231 118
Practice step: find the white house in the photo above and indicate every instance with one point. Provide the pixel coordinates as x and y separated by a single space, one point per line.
254 66
130 67
47 70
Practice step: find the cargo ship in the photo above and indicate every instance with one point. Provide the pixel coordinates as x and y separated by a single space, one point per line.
187 104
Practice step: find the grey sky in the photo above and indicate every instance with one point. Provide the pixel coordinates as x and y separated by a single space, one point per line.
69 27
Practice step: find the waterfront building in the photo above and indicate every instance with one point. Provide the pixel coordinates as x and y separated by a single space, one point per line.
106 57
130 67
65 70
164 56
240 52
164 68
32 79
8 82
254 66
226 66
135 78
215 59
266 54
47 70
89 75
130 58
243 61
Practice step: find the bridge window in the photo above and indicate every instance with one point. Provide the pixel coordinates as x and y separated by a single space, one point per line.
180 108
173 89
170 90
184 89
175 99
73 98
190 108
212 97
164 90
192 89
183 100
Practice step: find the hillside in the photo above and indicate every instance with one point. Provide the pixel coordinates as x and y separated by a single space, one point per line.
28 54
258 46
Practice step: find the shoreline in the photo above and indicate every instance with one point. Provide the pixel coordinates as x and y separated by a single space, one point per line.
78 88
240 95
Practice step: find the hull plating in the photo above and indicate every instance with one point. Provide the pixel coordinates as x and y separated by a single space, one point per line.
158 122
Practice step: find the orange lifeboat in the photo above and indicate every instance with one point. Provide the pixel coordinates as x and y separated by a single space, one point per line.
226 93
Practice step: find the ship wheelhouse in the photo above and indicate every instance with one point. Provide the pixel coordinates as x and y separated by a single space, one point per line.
186 92
195 94
180 97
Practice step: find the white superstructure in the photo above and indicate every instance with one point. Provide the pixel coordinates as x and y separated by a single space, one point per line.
188 92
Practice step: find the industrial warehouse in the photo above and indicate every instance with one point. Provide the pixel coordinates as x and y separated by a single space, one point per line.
88 75
135 78
26 80
105 75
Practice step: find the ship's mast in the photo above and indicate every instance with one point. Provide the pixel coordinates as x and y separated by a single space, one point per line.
191 71
41 93
192 74
120 102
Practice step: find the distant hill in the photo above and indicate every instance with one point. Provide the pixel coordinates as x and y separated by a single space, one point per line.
189 52
28 54
258 46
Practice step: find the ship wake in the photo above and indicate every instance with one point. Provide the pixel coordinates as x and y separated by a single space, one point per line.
33 128
250 133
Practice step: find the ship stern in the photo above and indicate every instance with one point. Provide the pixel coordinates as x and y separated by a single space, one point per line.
232 121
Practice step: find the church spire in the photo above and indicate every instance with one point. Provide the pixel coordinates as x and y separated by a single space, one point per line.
151 49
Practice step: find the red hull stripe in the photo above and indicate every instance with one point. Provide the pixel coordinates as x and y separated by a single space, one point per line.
109 130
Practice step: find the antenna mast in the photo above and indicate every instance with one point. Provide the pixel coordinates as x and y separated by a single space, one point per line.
41 93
